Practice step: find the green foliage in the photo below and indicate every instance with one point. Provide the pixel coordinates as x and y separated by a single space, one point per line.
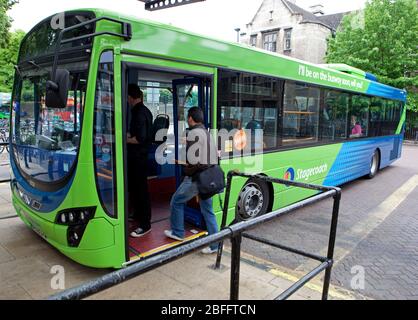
5 21
8 58
382 40
412 101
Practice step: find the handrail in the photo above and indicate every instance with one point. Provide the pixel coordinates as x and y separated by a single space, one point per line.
234 232
126 34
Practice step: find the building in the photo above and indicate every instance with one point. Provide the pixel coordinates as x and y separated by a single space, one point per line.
283 27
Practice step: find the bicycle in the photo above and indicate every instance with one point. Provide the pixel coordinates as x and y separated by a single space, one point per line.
4 138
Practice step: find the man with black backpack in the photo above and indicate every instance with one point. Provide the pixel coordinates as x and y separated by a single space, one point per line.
201 156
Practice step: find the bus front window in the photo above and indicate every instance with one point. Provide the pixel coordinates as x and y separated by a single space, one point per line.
46 141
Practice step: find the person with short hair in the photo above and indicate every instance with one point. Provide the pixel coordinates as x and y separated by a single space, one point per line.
139 140
204 152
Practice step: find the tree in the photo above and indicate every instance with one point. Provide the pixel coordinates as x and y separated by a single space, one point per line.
5 21
383 40
8 59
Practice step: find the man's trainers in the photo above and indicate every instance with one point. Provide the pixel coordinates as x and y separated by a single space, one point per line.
138 233
171 235
208 250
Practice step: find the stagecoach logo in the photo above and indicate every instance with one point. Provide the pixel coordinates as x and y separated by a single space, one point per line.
289 174
305 174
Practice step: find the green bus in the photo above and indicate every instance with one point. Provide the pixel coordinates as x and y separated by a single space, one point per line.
5 99
322 124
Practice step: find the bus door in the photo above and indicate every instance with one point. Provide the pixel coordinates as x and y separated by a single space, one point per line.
188 93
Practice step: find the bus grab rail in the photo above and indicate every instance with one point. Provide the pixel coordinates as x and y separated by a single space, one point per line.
234 232
126 34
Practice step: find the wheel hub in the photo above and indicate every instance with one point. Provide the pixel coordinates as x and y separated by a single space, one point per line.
250 202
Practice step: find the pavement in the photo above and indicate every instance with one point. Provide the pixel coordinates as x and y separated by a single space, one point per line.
377 239
27 265
376 253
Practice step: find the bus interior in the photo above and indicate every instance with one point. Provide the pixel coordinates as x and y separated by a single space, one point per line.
169 96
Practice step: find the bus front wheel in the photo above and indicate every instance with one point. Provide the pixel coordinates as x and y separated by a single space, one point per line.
374 164
253 200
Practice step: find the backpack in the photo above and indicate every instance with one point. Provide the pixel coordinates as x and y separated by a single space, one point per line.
210 182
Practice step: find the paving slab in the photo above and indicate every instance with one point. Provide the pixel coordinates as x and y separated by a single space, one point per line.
26 262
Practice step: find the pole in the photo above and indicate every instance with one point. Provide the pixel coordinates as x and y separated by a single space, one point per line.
237 31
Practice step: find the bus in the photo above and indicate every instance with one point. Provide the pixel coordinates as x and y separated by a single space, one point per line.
321 124
5 99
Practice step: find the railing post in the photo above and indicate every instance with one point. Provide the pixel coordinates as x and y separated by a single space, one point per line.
235 266
331 244
224 217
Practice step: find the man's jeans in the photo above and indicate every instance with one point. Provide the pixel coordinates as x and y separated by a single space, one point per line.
185 192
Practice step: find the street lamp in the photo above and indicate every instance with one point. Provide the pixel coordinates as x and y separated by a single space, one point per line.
237 30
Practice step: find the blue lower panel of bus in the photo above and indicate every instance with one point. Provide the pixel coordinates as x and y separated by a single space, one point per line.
354 158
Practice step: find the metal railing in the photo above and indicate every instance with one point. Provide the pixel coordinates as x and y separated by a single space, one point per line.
235 232
4 157
412 134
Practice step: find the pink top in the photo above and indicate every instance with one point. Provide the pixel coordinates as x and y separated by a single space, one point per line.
357 130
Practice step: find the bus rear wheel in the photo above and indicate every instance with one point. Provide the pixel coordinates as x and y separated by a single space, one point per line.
374 165
253 200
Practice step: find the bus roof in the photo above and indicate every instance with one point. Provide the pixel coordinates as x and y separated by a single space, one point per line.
160 40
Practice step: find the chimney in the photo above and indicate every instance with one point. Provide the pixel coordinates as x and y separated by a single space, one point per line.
317 9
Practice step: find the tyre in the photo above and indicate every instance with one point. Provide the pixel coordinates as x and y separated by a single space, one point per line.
374 165
253 200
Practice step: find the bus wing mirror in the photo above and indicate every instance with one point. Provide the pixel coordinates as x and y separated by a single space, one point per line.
57 91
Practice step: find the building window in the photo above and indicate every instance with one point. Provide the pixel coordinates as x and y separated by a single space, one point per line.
247 101
288 39
270 42
253 40
301 113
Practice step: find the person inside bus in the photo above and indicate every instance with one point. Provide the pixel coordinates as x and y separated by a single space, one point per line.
139 140
356 131
188 188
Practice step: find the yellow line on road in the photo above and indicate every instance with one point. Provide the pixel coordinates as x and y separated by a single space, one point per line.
343 295
293 276
374 219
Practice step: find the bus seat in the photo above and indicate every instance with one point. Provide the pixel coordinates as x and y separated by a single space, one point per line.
254 125
162 121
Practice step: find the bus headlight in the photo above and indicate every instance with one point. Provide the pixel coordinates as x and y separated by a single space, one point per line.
77 221
72 217
74 235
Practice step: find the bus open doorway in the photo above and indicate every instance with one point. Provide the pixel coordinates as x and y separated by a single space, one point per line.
169 96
